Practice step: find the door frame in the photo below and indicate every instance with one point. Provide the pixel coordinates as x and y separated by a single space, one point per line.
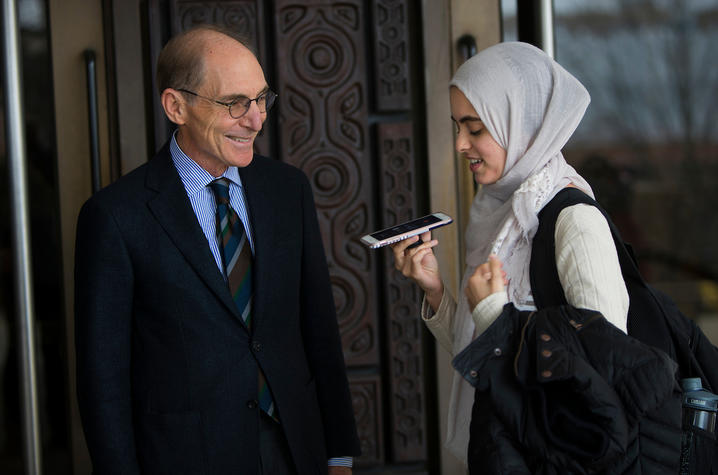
76 26
83 24
451 187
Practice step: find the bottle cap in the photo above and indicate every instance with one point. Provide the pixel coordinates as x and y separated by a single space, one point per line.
691 384
698 398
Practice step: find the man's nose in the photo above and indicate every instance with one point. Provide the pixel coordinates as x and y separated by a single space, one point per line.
253 118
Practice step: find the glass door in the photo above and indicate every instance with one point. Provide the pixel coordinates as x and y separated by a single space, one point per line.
41 167
648 143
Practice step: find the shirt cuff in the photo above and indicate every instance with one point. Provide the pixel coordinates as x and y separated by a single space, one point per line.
489 310
427 313
341 462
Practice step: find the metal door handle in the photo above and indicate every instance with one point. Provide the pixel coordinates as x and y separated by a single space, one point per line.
467 46
91 70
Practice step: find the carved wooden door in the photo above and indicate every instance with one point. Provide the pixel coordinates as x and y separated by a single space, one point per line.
350 115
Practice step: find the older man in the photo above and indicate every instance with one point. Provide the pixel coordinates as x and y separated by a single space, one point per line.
207 340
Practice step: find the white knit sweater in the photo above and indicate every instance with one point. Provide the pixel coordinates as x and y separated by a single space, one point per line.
588 269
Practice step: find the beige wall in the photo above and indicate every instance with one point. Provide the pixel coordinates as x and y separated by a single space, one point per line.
450 182
75 25
130 84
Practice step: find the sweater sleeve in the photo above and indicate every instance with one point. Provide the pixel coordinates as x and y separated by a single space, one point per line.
588 265
441 323
488 310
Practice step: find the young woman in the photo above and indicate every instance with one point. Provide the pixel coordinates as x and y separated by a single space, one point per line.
514 109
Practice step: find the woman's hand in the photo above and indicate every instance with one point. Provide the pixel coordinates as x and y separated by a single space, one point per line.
487 279
420 265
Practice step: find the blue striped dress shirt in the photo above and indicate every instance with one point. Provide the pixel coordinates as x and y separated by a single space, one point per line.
195 180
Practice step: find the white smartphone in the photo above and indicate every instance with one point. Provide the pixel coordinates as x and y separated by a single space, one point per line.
405 230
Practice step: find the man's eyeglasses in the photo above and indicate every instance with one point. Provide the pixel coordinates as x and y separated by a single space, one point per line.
240 106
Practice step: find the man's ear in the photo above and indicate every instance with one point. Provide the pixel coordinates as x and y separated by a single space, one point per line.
174 105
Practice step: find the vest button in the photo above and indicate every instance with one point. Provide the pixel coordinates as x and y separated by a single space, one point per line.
252 404
256 346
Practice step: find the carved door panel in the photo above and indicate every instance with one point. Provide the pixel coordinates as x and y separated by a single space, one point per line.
346 74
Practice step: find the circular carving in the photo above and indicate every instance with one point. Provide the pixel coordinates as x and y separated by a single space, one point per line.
361 402
406 386
391 33
361 343
407 422
327 179
349 299
333 183
235 18
240 19
403 311
322 57
192 16
392 70
398 201
343 299
397 163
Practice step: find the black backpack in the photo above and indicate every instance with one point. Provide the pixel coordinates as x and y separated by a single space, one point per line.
653 317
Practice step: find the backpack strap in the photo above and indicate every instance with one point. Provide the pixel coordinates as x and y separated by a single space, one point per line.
648 319
545 284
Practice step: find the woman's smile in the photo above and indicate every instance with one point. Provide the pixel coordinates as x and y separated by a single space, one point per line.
475 164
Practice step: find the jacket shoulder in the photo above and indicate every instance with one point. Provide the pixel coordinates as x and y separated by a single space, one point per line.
131 188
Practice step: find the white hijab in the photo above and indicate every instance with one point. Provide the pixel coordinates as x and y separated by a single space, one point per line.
530 105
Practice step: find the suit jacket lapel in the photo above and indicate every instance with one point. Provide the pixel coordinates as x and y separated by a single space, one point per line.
255 187
173 210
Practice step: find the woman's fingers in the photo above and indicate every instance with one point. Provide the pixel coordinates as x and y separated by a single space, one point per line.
498 276
488 278
478 288
420 265
415 256
399 250
423 246
410 260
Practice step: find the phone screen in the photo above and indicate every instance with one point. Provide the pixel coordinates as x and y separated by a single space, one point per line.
405 227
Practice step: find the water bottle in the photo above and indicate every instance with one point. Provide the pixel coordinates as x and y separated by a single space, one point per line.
699 405
699 423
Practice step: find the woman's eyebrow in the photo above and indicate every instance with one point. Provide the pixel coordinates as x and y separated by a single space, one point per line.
466 118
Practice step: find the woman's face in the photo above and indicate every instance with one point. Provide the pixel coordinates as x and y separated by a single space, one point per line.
486 159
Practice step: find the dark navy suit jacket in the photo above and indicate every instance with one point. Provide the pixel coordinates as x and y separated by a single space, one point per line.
166 368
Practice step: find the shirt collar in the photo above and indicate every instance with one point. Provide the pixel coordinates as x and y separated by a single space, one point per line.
195 178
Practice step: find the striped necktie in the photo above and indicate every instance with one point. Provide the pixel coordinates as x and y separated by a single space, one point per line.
237 259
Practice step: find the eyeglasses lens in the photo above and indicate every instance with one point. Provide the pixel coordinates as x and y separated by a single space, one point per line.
241 106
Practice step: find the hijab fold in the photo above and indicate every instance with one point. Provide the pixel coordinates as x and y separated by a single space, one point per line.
531 106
